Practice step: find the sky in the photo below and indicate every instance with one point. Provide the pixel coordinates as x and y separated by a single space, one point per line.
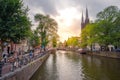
67 13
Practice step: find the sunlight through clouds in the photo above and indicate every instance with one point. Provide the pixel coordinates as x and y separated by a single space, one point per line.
65 21
67 13
66 16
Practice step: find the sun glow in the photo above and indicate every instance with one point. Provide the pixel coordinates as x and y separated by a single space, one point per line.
67 16
65 21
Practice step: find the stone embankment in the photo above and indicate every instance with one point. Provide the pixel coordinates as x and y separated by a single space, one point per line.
106 54
111 54
25 72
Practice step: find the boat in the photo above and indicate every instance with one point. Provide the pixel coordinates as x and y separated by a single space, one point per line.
82 51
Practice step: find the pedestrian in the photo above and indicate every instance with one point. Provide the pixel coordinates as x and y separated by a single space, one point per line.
12 60
31 55
20 60
16 55
5 56
16 64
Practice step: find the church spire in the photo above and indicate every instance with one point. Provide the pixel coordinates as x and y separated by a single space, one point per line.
87 17
86 13
82 19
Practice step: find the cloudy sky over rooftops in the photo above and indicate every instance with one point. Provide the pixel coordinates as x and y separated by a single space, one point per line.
68 12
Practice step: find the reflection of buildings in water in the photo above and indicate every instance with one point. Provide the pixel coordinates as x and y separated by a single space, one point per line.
97 62
102 68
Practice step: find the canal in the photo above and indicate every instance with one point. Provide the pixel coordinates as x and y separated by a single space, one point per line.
65 65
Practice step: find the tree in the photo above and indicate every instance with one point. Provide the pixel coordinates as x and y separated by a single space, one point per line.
54 41
35 39
105 31
108 29
110 14
116 33
73 41
14 23
47 28
88 36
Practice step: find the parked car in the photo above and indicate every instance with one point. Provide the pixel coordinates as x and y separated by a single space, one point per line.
82 51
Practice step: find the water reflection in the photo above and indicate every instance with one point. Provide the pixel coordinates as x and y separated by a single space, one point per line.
71 66
100 68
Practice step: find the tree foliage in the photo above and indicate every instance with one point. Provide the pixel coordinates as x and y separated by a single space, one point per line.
106 29
47 29
54 41
14 23
108 26
88 36
73 41
35 39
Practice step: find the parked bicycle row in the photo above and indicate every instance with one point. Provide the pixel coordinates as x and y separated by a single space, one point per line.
15 60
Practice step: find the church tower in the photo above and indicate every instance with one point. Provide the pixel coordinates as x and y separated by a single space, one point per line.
84 23
87 17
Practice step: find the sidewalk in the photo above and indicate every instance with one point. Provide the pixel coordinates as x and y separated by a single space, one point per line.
8 67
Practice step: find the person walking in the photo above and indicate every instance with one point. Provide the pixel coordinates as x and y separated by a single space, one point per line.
5 54
31 55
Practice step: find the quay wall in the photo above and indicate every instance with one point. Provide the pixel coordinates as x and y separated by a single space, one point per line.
25 72
106 54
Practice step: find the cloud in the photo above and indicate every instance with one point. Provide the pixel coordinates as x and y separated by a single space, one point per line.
66 26
72 30
95 6
52 6
47 6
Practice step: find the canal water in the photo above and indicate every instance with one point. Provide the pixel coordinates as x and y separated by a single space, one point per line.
65 65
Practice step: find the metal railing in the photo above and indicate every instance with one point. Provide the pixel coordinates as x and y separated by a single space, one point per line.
14 63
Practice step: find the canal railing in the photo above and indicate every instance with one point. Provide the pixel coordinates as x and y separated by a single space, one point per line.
18 64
